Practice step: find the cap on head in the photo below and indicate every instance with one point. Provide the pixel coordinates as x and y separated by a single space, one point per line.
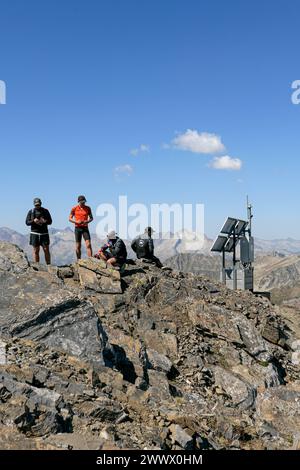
81 198
149 229
112 235
37 201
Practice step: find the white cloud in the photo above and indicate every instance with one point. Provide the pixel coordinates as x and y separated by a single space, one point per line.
198 142
123 170
142 148
226 163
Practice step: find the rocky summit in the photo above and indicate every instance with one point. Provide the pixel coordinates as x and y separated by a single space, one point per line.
152 359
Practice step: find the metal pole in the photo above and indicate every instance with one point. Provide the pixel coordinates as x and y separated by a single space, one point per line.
223 267
234 253
234 280
250 268
249 212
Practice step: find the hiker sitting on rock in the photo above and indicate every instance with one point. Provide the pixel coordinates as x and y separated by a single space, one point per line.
143 246
114 251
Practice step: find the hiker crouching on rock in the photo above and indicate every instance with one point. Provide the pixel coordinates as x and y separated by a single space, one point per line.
38 219
114 251
83 216
143 246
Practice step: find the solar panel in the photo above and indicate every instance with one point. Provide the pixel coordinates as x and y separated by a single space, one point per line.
240 227
235 239
230 245
229 225
225 241
219 243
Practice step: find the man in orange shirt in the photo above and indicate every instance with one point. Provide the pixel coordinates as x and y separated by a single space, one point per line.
83 216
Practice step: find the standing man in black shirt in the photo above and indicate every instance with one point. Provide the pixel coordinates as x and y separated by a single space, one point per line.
38 219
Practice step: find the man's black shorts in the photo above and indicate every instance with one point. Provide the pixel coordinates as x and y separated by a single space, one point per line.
82 232
37 239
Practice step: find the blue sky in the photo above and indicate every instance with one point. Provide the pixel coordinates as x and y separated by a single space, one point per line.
89 81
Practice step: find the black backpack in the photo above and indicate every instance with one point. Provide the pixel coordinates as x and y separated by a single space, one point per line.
142 248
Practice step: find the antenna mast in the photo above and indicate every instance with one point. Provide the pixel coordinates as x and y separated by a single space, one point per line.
250 215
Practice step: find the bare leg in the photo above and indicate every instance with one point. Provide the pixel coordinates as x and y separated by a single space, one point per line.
102 256
111 262
47 254
88 248
36 254
78 250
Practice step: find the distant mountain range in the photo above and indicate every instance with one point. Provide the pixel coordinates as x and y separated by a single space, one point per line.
276 271
197 263
280 275
286 246
62 246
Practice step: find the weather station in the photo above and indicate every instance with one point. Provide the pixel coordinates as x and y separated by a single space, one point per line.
236 238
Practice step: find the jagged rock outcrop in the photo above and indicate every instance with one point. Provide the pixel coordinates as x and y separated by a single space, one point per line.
35 304
154 359
95 275
12 259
